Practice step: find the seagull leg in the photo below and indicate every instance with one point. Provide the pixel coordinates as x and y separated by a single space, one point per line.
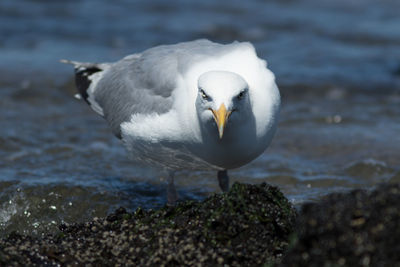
223 180
172 195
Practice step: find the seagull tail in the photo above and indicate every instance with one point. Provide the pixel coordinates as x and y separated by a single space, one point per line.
86 74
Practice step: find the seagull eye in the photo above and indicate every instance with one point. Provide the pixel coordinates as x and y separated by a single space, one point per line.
203 95
240 95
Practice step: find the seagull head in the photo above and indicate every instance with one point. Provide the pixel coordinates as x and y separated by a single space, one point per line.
222 97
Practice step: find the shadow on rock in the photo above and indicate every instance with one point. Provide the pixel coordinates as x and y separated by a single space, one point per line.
352 229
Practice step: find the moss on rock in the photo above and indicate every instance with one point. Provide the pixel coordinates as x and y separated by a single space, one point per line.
248 226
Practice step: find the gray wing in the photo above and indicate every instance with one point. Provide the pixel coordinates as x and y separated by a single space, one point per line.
141 83
131 86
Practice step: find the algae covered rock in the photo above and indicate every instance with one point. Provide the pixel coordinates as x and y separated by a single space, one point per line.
350 229
248 226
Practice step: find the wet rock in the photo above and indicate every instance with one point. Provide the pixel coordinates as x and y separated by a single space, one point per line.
352 229
248 226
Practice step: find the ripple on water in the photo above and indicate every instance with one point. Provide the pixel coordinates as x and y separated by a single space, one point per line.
369 169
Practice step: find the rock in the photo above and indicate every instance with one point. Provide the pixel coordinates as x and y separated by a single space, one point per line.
248 226
349 229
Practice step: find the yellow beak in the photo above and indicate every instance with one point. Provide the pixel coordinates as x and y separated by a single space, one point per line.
221 118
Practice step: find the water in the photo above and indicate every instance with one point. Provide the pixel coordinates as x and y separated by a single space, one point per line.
337 64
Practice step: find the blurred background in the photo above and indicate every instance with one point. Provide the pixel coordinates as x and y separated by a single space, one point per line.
337 64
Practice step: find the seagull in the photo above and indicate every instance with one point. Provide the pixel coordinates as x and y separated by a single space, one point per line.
195 105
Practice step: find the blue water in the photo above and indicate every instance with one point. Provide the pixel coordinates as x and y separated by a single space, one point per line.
337 64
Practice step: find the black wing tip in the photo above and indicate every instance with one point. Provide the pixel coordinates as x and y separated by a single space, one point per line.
83 71
83 81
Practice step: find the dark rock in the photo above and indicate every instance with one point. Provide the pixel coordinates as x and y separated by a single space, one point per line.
352 229
248 226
